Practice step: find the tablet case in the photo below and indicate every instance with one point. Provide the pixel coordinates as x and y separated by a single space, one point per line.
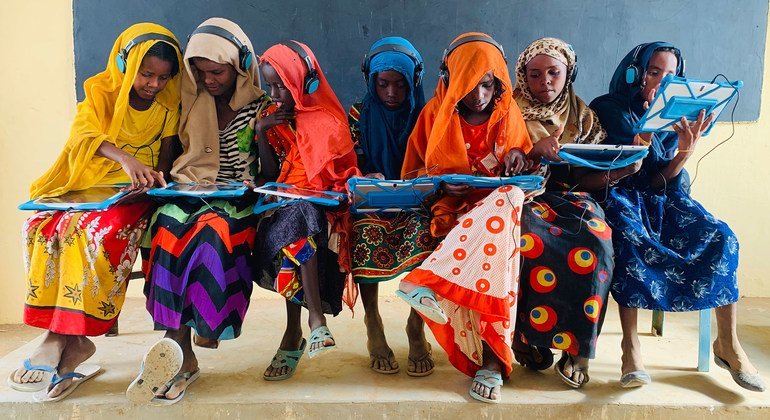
679 97
99 205
609 157
170 191
283 199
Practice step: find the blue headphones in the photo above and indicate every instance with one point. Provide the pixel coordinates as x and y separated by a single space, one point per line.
443 72
311 82
634 71
418 67
245 57
121 59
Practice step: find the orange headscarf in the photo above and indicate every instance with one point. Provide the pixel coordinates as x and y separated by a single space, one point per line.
436 144
323 136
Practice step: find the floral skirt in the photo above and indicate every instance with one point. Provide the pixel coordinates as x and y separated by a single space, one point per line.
78 264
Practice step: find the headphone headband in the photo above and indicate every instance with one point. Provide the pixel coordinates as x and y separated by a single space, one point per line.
473 38
244 53
122 58
311 81
418 67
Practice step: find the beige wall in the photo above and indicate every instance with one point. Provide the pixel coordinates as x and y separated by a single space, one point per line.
38 104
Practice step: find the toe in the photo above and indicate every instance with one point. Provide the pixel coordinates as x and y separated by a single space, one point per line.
59 388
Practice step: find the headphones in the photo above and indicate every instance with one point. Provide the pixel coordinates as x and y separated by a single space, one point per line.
574 67
121 59
418 67
245 57
634 72
443 72
310 83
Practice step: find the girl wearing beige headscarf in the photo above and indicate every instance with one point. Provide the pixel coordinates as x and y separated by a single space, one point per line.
197 256
561 305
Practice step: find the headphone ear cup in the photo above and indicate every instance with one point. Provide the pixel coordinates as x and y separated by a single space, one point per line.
246 62
120 61
311 83
574 73
631 74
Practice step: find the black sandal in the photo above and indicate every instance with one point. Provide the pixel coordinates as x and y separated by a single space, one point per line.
559 368
532 357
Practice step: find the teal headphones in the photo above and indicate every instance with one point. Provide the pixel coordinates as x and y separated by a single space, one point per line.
122 58
311 82
245 57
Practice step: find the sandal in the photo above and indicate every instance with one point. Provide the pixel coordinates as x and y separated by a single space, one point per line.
489 379
160 364
318 336
390 358
189 378
559 368
85 372
414 299
288 358
528 355
48 372
750 381
413 364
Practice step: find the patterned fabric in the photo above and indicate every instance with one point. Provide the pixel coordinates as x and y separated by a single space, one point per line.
567 265
288 238
670 253
237 149
77 266
198 267
474 273
389 245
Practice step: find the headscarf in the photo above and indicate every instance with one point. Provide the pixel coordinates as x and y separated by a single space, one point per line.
436 143
100 116
384 131
580 123
323 135
622 107
198 125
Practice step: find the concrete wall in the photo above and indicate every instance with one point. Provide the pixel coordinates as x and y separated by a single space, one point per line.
38 103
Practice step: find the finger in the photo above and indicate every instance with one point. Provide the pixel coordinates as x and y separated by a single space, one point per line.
158 177
707 123
646 105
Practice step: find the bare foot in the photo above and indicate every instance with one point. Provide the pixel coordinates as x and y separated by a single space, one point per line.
490 363
382 359
48 353
420 358
631 360
292 340
731 351
77 350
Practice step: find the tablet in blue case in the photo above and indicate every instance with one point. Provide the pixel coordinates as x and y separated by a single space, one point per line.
98 197
603 157
173 189
284 194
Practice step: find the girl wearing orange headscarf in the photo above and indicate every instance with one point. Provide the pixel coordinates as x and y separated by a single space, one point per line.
298 258
466 289
78 262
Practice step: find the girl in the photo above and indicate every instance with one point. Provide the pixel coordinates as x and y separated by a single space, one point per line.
197 256
386 246
299 258
671 254
78 262
466 289
566 244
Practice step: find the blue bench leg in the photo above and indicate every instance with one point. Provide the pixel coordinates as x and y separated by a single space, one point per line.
704 340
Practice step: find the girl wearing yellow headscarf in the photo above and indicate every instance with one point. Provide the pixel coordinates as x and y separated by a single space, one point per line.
78 262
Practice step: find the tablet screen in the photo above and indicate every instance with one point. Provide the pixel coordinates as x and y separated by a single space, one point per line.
204 189
296 192
93 195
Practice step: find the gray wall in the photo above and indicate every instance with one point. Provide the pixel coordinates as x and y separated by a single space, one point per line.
715 36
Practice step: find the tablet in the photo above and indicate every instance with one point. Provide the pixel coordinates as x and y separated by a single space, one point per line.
284 194
599 156
525 182
222 190
376 195
98 197
678 97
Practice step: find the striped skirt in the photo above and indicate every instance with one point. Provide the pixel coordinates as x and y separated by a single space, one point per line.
197 262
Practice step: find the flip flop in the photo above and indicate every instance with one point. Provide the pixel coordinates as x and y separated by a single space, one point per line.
635 379
390 358
750 381
414 299
489 379
160 364
525 355
84 373
420 359
559 368
48 372
288 358
319 335
189 378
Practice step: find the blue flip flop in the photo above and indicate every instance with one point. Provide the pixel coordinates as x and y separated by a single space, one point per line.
414 299
49 371
490 379
318 336
288 358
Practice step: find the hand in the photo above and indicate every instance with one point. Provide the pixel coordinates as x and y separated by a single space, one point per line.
516 162
141 176
547 147
689 132
454 190
649 98
280 116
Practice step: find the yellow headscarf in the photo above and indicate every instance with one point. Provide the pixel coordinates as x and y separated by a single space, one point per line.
198 126
100 116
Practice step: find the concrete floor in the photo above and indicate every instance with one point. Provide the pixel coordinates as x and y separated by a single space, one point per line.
340 385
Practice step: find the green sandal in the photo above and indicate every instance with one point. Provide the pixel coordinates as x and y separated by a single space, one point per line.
414 299
288 358
490 379
318 336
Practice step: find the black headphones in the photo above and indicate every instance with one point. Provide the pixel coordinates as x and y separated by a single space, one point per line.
418 67
245 57
443 72
574 74
634 72
121 59
310 83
